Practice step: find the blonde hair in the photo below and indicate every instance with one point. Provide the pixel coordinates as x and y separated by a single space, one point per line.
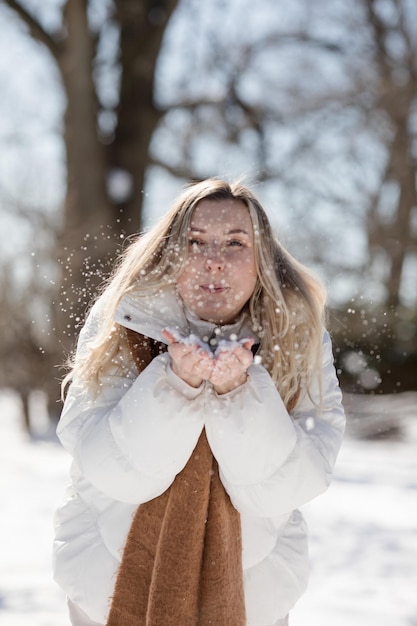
286 306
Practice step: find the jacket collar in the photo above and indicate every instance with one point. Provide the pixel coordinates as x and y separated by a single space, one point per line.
149 314
212 333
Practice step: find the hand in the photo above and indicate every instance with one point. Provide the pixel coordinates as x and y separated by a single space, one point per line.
231 365
190 361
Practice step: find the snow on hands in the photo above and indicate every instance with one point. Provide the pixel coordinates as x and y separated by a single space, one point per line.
193 361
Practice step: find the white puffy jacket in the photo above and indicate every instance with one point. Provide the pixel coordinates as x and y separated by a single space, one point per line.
130 441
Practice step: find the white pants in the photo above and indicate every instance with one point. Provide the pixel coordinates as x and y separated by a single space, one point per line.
79 618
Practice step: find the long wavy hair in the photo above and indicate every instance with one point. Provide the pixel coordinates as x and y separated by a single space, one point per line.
287 306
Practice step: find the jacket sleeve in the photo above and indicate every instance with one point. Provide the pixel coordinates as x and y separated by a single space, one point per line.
272 462
133 437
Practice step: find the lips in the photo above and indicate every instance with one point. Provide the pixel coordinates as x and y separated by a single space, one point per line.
214 288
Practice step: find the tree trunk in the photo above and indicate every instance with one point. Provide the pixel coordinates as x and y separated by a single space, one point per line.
142 27
396 101
404 174
86 241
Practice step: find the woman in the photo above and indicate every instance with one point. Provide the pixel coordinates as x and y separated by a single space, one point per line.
203 410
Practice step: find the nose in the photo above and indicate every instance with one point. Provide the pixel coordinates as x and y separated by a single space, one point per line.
215 260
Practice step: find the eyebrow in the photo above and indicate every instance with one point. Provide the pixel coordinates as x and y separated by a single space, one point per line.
234 231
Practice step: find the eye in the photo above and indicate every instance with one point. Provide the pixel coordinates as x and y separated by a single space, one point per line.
195 243
235 243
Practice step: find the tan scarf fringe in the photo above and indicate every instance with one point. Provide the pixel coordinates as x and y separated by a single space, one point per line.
182 562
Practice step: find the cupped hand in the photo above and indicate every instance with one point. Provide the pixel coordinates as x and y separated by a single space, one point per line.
230 366
189 360
226 370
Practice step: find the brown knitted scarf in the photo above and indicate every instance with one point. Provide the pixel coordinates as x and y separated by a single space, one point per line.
182 562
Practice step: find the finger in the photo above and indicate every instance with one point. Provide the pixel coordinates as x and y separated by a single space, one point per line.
244 355
217 375
248 343
179 351
169 336
232 364
204 359
204 354
223 369
230 355
204 369
243 351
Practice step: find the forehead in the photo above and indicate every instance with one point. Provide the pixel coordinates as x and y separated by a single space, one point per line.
221 214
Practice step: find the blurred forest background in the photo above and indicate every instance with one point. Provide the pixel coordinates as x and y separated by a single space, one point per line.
109 106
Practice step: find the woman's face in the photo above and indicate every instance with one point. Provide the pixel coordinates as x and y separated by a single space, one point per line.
220 273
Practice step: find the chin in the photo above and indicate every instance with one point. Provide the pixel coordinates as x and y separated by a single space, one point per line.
217 318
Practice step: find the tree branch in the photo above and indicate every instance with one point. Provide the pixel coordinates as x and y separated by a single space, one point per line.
297 38
190 105
35 29
179 171
411 47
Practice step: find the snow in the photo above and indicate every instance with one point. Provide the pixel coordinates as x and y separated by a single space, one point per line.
223 345
363 530
33 475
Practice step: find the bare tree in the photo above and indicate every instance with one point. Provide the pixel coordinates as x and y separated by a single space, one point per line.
94 217
322 112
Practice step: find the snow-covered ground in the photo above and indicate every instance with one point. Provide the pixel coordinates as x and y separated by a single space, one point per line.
363 530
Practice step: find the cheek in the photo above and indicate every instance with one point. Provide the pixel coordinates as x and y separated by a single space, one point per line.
250 275
194 263
191 272
248 267
188 280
